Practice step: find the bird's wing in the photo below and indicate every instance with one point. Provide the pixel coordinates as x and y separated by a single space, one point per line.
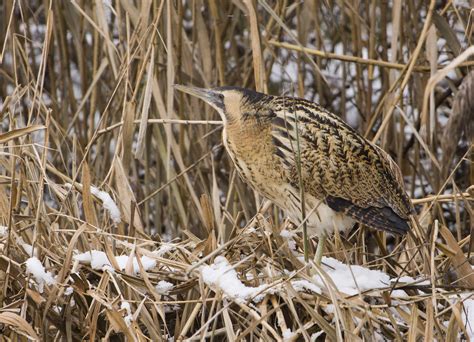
339 166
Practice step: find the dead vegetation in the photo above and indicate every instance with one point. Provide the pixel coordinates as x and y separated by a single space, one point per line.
86 100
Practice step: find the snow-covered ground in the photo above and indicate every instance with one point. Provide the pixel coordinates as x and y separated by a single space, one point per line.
346 279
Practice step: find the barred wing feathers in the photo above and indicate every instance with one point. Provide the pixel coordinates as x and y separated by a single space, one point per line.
339 166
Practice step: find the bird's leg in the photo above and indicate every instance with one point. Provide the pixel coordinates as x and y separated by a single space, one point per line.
319 250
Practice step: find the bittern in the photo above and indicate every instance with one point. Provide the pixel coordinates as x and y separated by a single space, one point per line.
281 145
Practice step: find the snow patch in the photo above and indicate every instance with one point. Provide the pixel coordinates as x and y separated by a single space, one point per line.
164 287
128 318
399 294
222 276
350 279
29 250
288 335
404 279
108 204
288 236
164 248
37 270
99 261
147 262
329 309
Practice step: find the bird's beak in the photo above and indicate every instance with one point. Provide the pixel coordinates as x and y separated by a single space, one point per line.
212 97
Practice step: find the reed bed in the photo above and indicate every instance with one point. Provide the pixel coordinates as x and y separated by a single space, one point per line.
118 203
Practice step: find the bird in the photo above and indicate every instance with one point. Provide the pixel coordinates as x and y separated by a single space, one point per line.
293 151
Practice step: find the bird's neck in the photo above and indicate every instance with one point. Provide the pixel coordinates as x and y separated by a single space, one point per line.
244 135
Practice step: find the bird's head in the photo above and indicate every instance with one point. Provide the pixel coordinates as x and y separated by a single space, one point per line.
230 102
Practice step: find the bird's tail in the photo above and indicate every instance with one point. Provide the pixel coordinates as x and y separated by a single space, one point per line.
383 218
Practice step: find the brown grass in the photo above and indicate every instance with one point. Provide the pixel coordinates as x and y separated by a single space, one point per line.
86 98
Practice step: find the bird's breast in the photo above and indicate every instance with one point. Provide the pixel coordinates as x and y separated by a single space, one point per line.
252 154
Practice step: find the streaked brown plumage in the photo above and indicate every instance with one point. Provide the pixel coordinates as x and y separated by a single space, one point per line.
346 178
